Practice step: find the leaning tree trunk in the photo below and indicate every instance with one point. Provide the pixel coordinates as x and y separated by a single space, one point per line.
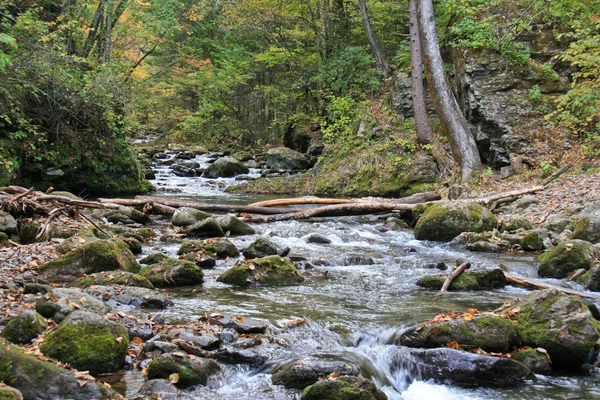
454 124
424 133
381 65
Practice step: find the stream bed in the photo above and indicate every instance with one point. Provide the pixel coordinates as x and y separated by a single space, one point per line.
351 310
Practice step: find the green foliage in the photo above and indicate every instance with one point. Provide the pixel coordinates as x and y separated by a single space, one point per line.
343 114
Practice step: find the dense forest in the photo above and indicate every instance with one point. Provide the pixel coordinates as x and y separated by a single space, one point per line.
80 78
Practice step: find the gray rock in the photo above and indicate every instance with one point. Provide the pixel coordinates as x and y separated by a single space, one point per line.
283 158
262 247
169 273
242 325
163 347
588 227
225 167
525 202
356 260
59 303
159 388
208 227
185 216
8 224
232 356
511 223
25 327
298 374
234 225
137 297
191 371
317 238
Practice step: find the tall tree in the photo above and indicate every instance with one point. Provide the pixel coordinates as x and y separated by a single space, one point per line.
381 65
454 124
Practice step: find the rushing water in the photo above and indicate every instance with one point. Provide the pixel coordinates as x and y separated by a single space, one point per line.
349 310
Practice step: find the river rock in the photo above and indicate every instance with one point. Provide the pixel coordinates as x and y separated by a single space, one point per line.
536 360
201 259
317 238
298 374
190 371
185 216
232 356
564 258
444 221
561 324
588 227
356 260
219 247
97 256
114 278
591 279
173 273
283 158
8 224
159 389
534 240
123 214
242 325
10 393
225 167
88 342
208 227
525 202
37 379
153 258
137 297
262 247
471 280
60 302
511 223
25 327
270 271
234 225
343 388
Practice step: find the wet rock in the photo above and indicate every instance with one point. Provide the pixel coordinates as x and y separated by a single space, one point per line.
533 241
565 258
269 271
88 342
344 387
356 260
185 216
153 258
204 339
588 227
395 224
208 227
25 327
591 279
191 371
173 273
201 259
241 325
114 278
97 256
471 280
283 158
123 214
511 223
234 225
225 167
134 245
301 373
8 224
262 247
488 247
444 221
490 333
137 297
561 324
231 356
221 248
535 359
159 388
59 303
37 379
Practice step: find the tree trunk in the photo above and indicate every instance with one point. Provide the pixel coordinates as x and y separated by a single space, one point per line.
91 38
108 30
381 65
454 124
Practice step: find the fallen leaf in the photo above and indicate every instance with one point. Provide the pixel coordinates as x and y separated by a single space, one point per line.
173 378
119 340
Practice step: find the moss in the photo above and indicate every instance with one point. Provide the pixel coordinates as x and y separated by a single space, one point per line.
153 258
6 375
6 394
475 280
533 241
270 271
190 246
147 233
191 372
343 388
3 237
24 328
564 258
173 273
114 278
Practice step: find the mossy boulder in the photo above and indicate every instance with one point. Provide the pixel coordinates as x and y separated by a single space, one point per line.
561 324
114 278
298 374
219 247
153 258
535 359
591 279
185 216
96 256
588 227
208 227
283 158
225 167
191 372
490 333
37 379
3 237
147 233
234 225
533 241
123 214
511 223
88 342
25 327
262 247
10 393
173 273
565 258
444 221
60 302
343 388
472 280
270 271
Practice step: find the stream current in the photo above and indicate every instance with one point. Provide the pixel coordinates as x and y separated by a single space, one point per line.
352 311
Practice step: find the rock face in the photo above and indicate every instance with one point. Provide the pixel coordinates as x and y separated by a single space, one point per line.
97 256
38 380
565 258
444 221
25 327
343 388
283 158
270 271
191 372
88 342
185 216
173 273
59 303
475 280
225 167
588 228
299 374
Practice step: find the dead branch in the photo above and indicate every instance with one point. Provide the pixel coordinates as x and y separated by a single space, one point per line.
529 283
414 199
452 276
556 175
24 194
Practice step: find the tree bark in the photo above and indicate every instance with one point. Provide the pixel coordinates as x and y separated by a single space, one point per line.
452 276
454 124
91 38
381 66
108 30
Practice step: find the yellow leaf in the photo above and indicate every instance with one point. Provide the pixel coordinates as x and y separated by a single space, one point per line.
173 378
119 340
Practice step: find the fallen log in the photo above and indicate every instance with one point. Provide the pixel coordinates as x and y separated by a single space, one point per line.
529 283
452 276
158 208
414 199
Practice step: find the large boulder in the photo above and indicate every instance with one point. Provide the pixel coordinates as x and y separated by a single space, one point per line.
298 374
173 273
473 280
159 389
41 380
561 324
283 158
564 258
225 167
194 371
97 256
88 342
114 278
262 247
8 224
234 225
588 227
444 221
25 327
123 214
343 388
220 247
60 302
208 227
185 216
270 271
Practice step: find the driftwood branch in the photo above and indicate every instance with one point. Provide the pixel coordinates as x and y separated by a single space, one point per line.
414 199
452 276
556 175
529 283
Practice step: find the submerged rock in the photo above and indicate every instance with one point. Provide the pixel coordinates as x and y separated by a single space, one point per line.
270 271
262 247
565 258
25 327
191 372
471 280
343 388
298 374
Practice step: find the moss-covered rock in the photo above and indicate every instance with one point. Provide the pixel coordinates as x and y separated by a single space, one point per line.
234 225
97 256
444 221
261 247
219 247
299 374
147 233
591 279
173 273
191 371
511 223
3 237
588 228
123 214
153 258
490 333
561 324
135 246
472 280
208 227
565 258
533 241
185 216
25 327
343 388
270 271
535 359
88 342
60 302
37 379
114 278
10 393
